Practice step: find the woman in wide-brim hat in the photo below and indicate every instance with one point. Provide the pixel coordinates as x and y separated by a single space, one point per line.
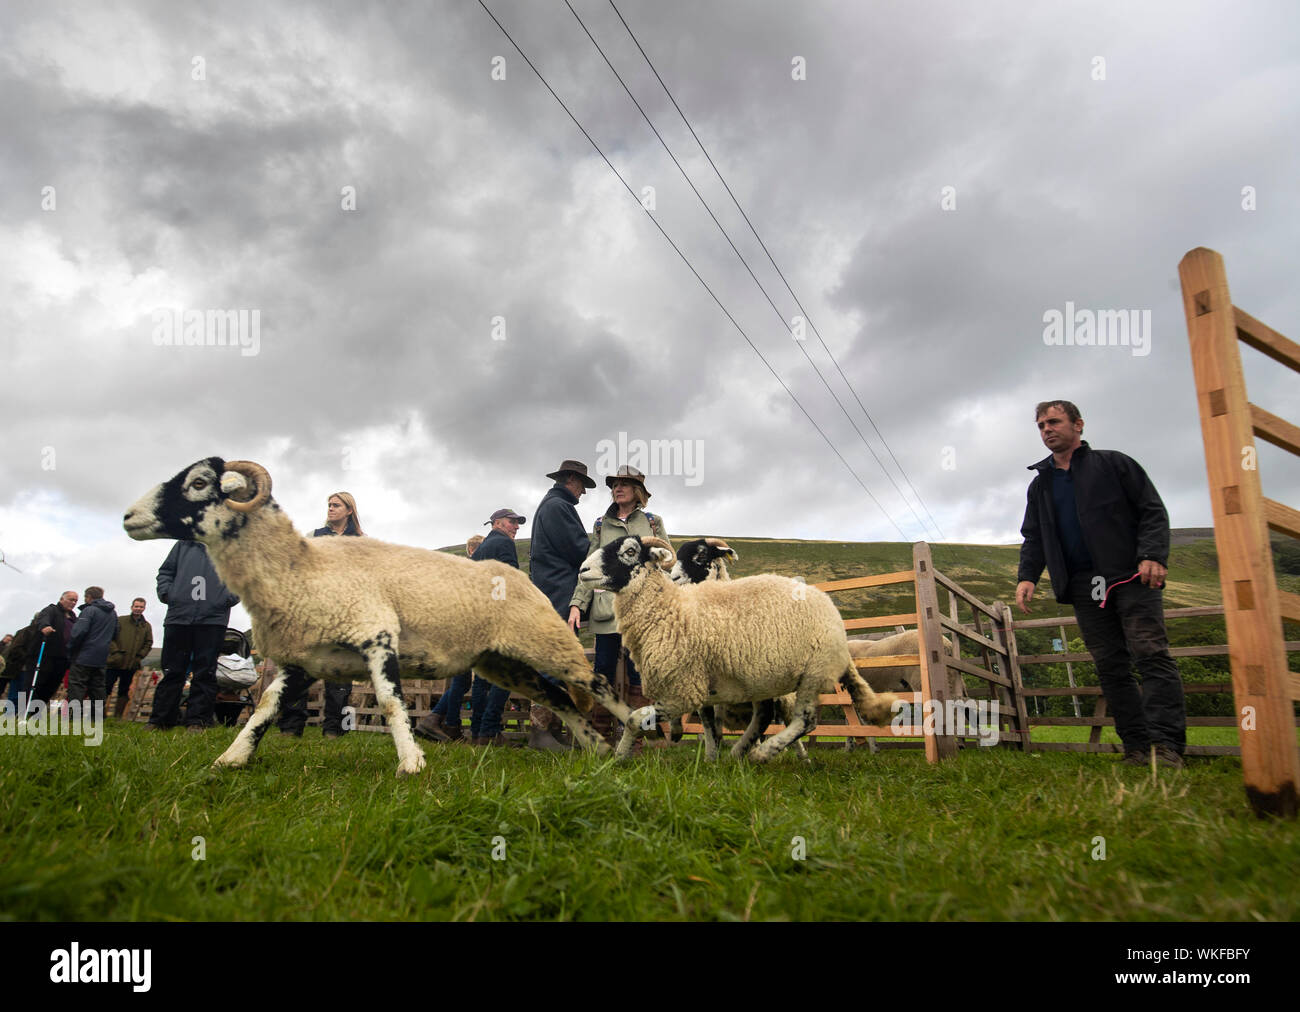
626 515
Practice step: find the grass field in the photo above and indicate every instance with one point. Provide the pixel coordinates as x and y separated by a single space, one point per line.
323 830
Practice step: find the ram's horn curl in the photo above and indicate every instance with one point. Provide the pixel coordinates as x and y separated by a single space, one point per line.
719 543
661 543
258 479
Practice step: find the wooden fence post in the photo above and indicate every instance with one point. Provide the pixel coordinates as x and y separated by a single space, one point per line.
934 670
1252 608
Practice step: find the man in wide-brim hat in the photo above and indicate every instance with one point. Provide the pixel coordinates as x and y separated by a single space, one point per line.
559 548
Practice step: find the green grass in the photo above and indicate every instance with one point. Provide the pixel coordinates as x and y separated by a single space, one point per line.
323 830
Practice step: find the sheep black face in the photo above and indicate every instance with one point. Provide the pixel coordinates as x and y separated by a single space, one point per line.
702 559
209 499
612 567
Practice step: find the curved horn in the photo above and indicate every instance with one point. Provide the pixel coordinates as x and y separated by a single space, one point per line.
661 543
258 478
719 543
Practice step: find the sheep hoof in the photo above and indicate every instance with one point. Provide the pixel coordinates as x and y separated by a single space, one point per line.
760 755
411 766
226 761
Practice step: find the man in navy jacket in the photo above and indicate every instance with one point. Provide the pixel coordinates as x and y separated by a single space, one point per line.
559 548
88 646
1096 521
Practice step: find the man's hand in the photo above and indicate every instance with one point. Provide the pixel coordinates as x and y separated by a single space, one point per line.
1152 573
575 618
47 630
1024 594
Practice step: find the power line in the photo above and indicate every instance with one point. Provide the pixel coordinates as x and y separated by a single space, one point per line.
743 261
690 266
779 272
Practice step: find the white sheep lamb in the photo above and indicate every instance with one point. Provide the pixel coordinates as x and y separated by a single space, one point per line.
343 608
704 559
748 640
698 561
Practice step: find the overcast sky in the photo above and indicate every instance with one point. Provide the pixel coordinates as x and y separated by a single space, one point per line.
454 292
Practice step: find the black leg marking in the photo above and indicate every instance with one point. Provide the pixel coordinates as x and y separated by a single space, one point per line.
516 676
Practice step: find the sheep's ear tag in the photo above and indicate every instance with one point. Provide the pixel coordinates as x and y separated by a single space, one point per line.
233 481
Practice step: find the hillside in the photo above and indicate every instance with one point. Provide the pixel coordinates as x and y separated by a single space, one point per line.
987 571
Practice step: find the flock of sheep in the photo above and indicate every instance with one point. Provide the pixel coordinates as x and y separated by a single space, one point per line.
349 608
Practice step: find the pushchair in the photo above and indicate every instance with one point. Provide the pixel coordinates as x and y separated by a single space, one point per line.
236 676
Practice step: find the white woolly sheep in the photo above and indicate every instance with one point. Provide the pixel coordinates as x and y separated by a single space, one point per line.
699 561
730 641
903 678
343 608
704 559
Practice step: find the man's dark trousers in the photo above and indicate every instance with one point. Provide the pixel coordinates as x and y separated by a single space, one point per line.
293 718
185 648
1128 632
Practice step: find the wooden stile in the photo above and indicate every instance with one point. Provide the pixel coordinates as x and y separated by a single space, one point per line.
1252 606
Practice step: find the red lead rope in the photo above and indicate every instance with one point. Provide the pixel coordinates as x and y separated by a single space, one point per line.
1120 584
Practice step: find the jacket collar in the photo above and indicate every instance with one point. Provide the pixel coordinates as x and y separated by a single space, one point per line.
560 492
612 513
1045 465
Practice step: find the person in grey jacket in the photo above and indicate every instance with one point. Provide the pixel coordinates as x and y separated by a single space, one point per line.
198 611
88 646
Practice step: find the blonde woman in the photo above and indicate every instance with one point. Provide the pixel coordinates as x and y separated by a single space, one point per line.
341 520
626 515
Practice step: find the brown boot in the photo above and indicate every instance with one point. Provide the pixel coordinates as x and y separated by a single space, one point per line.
431 728
119 707
500 739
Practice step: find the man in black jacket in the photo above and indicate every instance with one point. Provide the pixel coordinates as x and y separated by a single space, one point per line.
559 549
1095 520
54 628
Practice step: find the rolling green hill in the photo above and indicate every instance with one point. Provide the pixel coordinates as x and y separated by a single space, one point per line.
987 571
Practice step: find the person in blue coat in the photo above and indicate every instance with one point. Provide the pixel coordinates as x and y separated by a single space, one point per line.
488 701
88 647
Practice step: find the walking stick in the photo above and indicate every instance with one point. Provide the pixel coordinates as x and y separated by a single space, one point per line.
27 709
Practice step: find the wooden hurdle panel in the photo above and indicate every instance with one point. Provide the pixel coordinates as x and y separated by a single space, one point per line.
1099 718
1264 688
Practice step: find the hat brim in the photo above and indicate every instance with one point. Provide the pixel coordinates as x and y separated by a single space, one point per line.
559 476
609 482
